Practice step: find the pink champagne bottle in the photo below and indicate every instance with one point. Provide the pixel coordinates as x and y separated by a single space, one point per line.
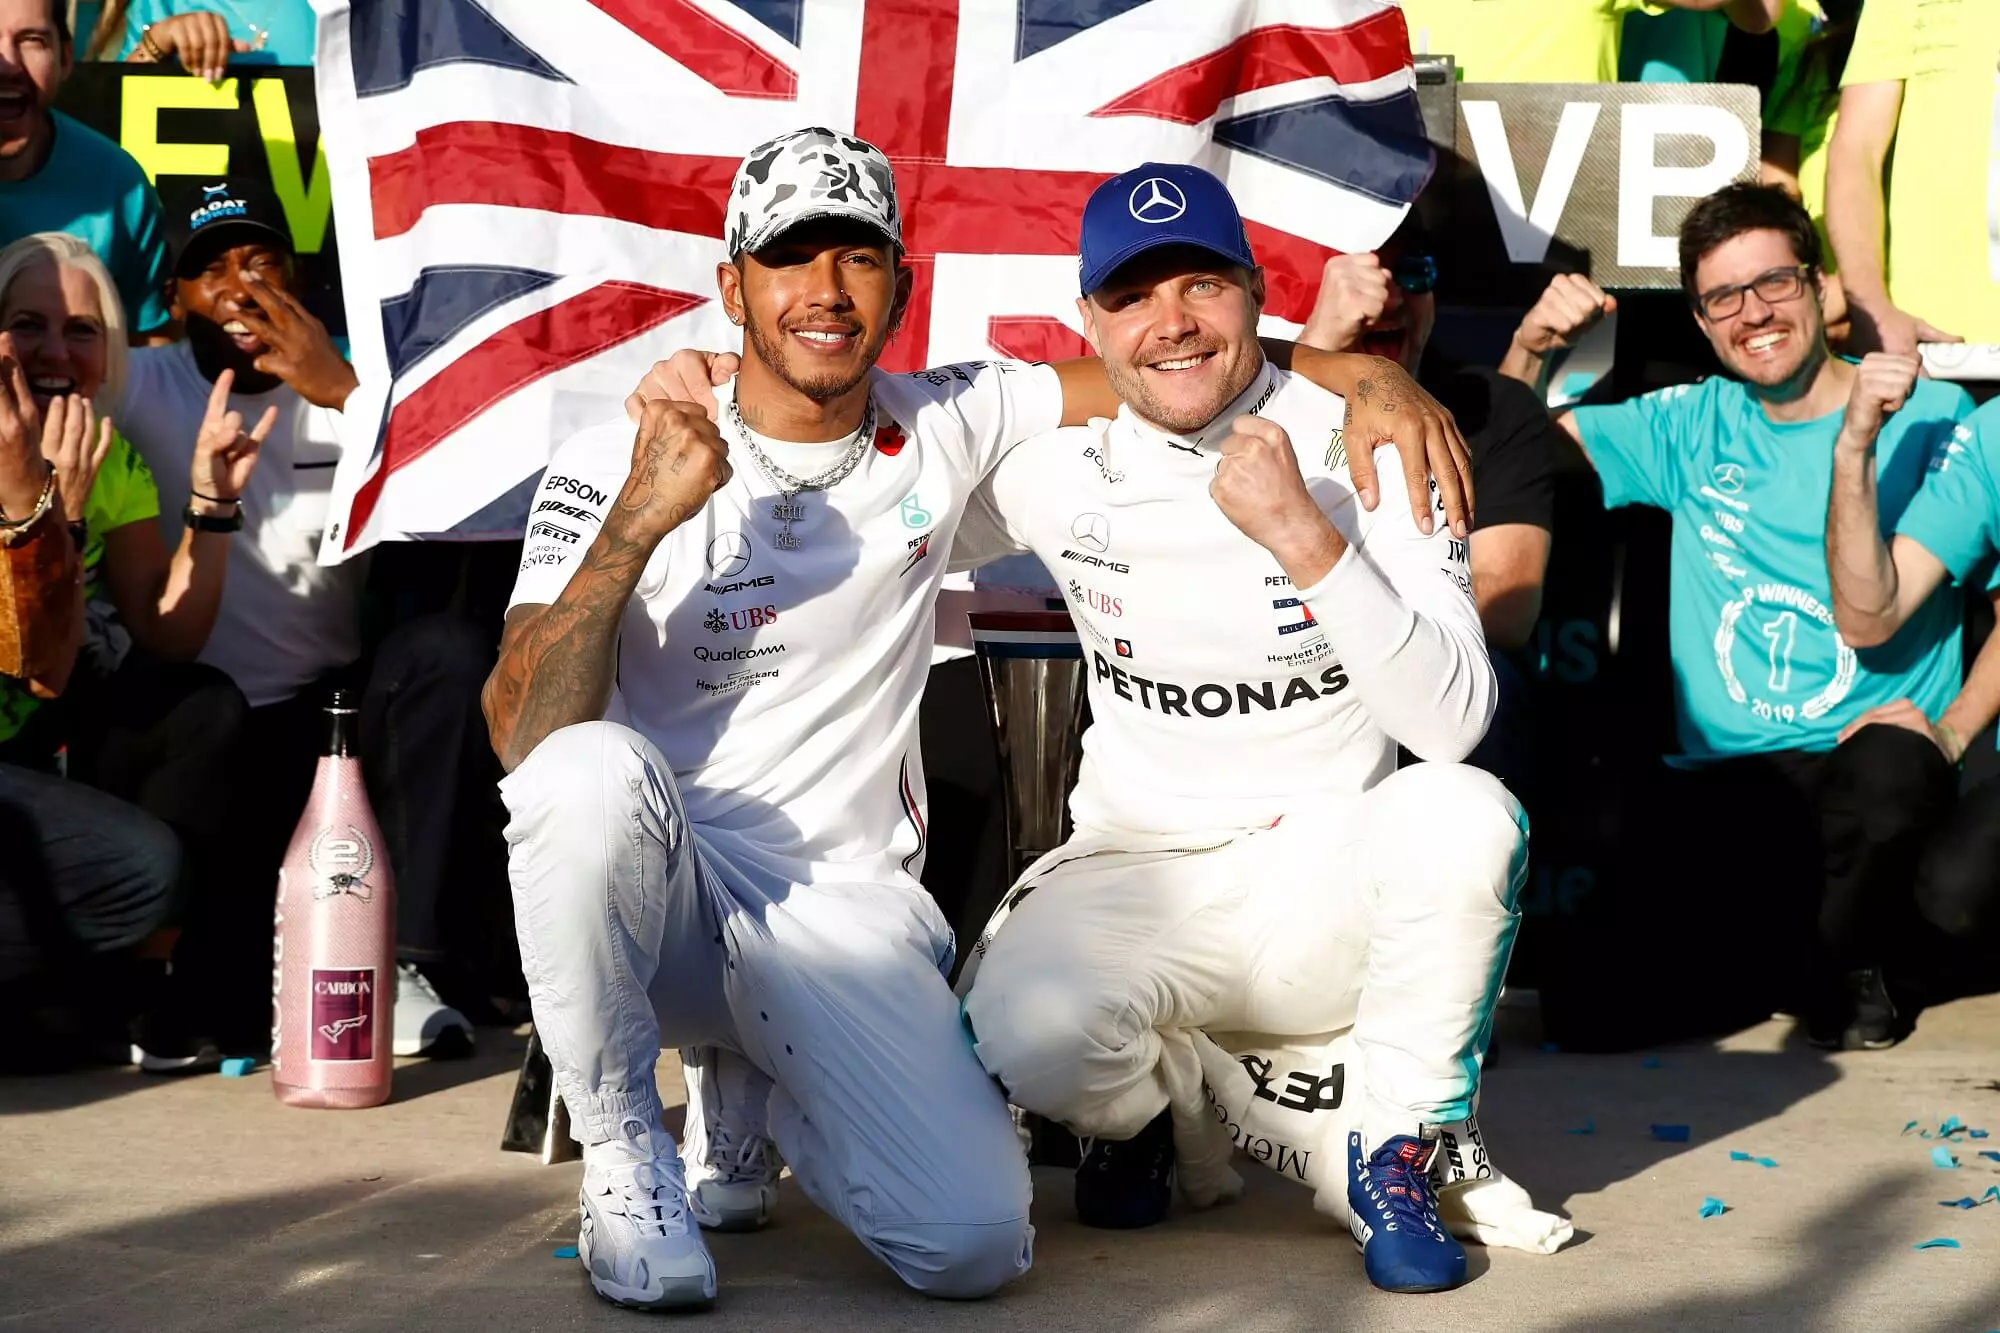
333 957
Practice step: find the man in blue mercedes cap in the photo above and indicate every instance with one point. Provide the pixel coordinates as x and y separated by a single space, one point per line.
1250 870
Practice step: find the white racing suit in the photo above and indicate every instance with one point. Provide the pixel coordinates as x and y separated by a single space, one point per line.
1333 972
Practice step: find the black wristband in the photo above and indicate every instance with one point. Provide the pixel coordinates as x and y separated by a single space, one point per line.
213 522
236 500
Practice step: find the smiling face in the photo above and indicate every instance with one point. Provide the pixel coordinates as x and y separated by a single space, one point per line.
1771 344
818 304
1403 329
52 323
1177 328
209 294
33 63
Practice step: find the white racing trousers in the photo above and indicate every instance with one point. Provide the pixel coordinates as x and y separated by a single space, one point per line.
1336 971
630 939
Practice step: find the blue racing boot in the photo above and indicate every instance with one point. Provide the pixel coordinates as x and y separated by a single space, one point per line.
1393 1213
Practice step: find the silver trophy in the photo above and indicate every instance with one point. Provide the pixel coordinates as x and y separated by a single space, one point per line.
1031 665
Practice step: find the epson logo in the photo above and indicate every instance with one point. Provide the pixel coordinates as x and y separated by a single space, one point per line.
1098 562
724 589
1216 700
578 487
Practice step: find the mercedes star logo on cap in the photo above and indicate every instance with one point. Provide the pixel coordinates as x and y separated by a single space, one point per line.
1092 530
1156 199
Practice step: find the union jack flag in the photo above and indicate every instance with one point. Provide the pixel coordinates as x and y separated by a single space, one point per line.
530 192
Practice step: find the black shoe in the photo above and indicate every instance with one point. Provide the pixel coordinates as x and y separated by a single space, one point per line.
1123 1184
1862 1018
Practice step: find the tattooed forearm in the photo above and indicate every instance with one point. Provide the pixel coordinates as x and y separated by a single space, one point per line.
557 662
1364 390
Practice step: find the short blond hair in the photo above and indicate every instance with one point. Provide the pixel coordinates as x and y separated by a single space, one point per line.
66 251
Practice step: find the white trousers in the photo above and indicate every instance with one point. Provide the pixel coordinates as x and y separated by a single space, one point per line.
1392 913
630 939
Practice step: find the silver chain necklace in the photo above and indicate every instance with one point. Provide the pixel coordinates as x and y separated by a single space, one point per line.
787 510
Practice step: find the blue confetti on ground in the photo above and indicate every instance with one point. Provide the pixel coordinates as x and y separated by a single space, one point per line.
1941 1243
1671 1133
563 1252
1587 1127
237 1068
1992 1195
1735 1156
1994 1155
1713 1207
1942 1159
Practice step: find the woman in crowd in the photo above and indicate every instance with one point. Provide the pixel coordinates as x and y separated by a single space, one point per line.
138 719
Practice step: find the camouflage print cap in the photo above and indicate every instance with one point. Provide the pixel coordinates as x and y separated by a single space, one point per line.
807 174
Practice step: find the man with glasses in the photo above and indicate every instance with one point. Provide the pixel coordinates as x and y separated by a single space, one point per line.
1771 860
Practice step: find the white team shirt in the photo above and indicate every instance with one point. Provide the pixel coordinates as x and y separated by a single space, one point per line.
285 620
1221 696
783 685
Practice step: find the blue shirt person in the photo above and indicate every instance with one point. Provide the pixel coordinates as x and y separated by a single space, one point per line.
57 175
1785 841
276 32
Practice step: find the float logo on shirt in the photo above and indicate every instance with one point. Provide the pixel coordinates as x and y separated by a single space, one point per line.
343 1012
1217 700
913 512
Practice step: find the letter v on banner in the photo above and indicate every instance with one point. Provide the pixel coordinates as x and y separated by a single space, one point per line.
1526 229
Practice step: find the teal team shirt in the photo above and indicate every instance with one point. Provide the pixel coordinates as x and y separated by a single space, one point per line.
92 189
287 26
1956 516
1757 662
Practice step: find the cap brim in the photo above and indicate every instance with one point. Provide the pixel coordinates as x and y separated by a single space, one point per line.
242 229
773 228
1119 258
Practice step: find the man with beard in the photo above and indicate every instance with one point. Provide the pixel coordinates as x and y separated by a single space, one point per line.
722 849
1247 857
288 625
1770 862
57 174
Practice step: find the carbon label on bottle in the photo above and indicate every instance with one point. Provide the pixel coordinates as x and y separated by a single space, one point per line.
343 1013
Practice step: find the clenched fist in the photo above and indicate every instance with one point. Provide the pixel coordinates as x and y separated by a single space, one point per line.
1258 487
678 461
1570 307
1353 293
1881 386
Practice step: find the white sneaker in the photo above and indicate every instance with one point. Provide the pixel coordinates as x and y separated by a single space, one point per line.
425 1024
634 1238
731 1164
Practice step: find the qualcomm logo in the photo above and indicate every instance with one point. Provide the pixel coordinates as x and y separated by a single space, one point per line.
1155 200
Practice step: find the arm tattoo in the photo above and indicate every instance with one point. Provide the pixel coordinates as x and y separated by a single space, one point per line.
556 666
1364 390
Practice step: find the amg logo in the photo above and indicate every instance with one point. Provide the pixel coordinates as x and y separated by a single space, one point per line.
566 509
724 589
552 530
1098 562
1213 700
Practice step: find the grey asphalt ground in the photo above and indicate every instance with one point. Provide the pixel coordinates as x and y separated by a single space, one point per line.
129 1202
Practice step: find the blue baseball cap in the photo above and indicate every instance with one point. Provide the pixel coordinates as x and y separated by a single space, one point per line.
1155 204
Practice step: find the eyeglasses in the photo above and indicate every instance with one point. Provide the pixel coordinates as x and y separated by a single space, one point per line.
1773 288
1415 274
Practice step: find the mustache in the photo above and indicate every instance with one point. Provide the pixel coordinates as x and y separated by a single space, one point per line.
1195 346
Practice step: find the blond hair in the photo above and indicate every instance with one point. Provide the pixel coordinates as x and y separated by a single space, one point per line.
66 251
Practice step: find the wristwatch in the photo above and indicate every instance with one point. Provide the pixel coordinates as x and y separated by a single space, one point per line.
231 522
